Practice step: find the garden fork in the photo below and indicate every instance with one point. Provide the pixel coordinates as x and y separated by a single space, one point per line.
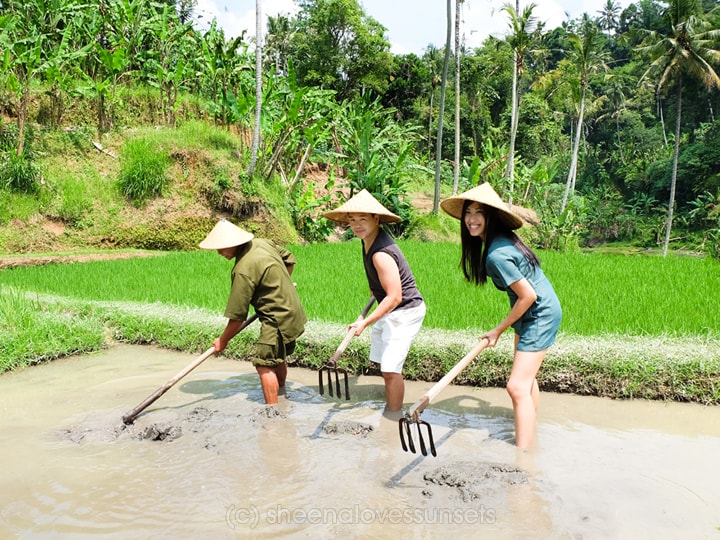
331 366
412 416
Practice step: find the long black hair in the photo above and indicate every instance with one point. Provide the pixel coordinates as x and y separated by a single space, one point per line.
474 250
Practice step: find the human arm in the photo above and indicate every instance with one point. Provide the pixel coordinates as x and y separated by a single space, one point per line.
526 297
231 329
389 275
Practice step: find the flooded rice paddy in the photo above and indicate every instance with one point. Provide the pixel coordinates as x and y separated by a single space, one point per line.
209 459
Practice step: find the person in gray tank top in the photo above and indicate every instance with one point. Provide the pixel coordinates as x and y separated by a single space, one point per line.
400 308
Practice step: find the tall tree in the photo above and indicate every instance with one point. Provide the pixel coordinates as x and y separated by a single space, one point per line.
277 42
433 59
258 86
443 87
608 16
588 57
458 55
336 46
524 33
687 51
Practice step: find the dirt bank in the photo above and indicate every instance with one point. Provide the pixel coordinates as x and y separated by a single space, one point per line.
41 260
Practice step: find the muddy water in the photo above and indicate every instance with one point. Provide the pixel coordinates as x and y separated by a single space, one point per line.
209 460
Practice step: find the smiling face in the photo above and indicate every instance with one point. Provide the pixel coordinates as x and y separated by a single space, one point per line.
474 219
365 226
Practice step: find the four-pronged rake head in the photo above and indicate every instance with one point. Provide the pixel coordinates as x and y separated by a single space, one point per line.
406 431
330 369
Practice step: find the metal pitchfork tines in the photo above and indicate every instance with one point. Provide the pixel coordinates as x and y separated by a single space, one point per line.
331 367
412 416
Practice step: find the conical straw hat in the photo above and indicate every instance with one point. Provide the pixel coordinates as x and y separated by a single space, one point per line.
226 235
362 203
486 195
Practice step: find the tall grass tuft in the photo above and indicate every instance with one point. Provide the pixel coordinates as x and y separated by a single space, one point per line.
143 170
19 173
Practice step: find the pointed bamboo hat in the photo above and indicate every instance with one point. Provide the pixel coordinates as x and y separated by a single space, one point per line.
485 195
226 235
362 203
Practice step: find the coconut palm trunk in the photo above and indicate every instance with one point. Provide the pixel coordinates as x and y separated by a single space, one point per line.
572 173
443 87
456 175
258 87
673 179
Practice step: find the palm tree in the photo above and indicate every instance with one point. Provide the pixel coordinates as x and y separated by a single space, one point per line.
441 113
456 172
434 61
608 19
686 52
277 43
615 96
258 86
588 56
524 34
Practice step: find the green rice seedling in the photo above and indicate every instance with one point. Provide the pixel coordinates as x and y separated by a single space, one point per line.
600 294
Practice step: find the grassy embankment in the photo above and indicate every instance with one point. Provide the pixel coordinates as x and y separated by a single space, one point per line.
633 326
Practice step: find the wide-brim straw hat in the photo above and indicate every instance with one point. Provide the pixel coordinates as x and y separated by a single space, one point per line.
226 235
362 203
485 195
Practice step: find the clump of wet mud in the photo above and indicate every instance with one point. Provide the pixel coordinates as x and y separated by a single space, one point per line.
200 414
160 432
268 413
475 480
348 428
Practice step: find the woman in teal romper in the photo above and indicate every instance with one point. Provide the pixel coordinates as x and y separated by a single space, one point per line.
491 249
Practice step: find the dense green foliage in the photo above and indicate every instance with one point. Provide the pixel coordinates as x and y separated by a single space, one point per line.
591 115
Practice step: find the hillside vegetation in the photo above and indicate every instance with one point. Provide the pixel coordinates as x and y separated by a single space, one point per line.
609 133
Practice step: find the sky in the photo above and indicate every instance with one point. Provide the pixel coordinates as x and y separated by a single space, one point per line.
411 25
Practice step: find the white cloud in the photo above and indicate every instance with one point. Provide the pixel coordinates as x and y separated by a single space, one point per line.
234 16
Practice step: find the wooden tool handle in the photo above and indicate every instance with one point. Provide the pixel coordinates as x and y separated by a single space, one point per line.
130 416
350 333
438 387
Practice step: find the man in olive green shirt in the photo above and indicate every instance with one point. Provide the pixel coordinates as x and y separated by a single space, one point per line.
261 279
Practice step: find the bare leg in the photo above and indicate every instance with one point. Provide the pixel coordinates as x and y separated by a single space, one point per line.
281 372
269 383
394 390
525 394
536 394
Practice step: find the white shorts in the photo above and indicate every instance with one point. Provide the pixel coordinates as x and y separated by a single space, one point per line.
392 335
